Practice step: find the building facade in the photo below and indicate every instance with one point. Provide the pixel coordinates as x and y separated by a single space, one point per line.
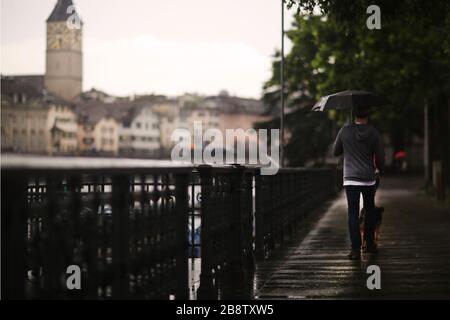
139 133
100 136
168 118
39 127
37 112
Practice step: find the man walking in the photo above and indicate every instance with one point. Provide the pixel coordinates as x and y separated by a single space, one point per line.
362 147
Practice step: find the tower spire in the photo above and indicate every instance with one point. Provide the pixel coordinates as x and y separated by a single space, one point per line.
59 12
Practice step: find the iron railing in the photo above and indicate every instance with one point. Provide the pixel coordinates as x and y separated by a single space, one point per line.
140 229
227 232
284 200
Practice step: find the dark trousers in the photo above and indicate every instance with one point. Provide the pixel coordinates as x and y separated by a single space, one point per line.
353 195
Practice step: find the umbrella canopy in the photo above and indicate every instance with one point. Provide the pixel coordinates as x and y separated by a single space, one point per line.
349 99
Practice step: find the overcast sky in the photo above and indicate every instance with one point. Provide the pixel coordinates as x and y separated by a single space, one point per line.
159 46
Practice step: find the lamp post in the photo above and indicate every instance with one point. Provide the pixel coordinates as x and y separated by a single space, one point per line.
282 87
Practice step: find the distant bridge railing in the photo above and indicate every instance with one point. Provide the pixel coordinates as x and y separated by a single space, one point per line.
133 226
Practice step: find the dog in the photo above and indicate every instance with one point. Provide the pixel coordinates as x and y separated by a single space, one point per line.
378 218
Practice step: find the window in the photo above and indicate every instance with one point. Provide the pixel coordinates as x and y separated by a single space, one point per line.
88 140
138 125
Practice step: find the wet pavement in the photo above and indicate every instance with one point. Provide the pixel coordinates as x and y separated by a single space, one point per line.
414 252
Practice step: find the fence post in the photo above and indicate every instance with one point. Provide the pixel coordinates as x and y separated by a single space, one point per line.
91 234
239 268
120 241
52 264
76 229
181 207
259 217
282 205
236 191
249 257
206 289
14 232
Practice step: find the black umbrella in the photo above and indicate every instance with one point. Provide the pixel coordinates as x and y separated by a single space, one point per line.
349 99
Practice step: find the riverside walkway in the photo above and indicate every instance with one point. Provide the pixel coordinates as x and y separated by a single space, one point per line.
414 252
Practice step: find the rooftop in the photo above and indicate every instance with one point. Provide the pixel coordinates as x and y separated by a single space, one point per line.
27 90
60 12
94 110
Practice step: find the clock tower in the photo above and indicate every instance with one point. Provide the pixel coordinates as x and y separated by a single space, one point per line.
64 57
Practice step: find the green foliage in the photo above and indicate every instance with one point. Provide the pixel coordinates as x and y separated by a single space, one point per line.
407 61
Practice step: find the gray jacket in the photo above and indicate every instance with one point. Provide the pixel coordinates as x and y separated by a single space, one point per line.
362 147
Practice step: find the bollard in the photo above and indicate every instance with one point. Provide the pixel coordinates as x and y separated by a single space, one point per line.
438 180
440 188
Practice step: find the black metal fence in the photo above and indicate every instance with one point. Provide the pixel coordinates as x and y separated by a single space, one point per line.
283 201
227 232
132 228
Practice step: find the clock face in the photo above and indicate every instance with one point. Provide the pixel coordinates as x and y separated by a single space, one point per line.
60 37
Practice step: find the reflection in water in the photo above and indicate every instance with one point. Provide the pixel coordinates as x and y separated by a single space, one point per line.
194 277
